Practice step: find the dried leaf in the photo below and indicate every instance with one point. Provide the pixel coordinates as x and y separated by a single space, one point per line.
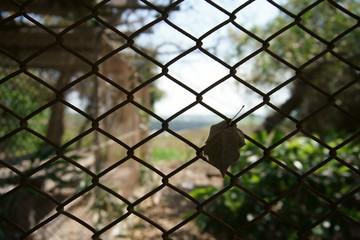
222 145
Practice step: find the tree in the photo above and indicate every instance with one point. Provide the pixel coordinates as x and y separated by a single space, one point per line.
320 52
27 86
284 191
57 73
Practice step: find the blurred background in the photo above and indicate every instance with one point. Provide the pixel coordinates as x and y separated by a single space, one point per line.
100 101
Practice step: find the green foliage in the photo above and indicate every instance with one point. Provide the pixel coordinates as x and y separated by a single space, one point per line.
296 45
155 94
286 192
317 31
22 96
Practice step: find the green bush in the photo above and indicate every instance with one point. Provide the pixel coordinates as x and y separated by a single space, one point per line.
285 204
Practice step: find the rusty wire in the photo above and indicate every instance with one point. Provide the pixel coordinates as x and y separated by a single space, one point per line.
200 206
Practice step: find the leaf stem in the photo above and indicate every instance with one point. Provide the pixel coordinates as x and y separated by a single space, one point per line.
231 120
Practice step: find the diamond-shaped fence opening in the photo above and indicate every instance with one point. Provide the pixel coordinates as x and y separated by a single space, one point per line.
105 107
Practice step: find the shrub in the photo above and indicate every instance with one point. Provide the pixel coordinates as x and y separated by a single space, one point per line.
298 190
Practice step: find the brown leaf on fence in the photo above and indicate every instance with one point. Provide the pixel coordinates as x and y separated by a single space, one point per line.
222 145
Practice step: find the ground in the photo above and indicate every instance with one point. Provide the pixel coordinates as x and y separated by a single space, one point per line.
168 208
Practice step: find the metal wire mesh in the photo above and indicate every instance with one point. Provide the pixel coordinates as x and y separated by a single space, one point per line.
91 65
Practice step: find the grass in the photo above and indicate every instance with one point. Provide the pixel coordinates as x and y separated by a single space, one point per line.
166 147
167 154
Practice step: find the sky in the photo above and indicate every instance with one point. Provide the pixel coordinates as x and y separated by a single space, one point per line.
197 70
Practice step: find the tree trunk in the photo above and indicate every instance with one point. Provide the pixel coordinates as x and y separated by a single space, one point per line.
304 101
290 105
56 126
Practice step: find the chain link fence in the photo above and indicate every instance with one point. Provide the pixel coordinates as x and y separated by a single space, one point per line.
60 185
